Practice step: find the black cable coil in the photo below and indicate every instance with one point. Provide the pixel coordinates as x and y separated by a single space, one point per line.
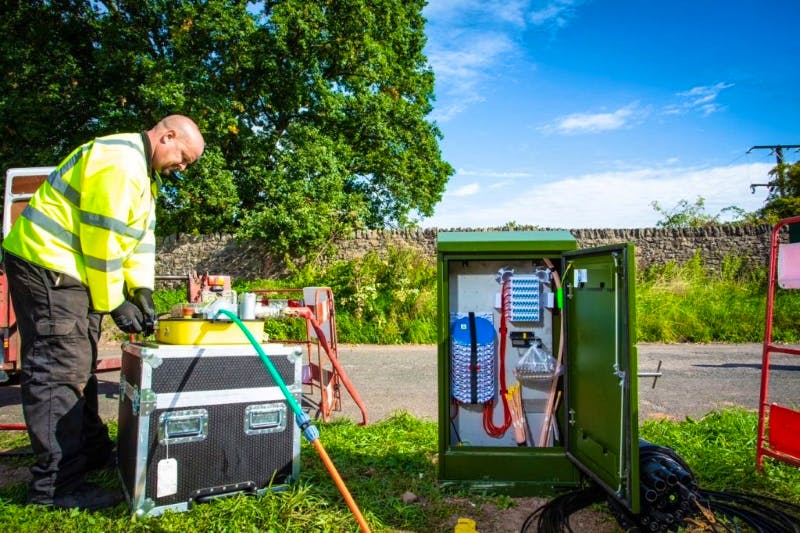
670 499
667 489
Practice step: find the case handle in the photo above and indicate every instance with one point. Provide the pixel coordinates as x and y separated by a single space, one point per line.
176 427
265 418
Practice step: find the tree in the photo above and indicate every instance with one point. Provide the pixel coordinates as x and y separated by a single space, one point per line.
684 215
46 103
314 111
783 199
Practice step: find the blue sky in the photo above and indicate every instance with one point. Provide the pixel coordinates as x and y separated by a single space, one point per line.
580 114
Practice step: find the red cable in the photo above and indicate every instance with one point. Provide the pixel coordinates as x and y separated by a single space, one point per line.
488 408
455 409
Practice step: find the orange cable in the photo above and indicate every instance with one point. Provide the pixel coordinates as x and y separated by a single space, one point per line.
551 398
351 503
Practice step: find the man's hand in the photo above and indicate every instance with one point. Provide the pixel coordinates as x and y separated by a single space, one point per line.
128 318
143 299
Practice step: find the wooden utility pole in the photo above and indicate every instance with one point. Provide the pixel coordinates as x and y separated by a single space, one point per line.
778 150
779 182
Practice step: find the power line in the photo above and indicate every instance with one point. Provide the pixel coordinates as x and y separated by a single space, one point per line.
777 149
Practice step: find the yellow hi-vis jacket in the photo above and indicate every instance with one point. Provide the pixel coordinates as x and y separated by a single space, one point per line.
94 219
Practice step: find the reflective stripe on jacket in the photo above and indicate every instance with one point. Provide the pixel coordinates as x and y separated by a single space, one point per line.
94 219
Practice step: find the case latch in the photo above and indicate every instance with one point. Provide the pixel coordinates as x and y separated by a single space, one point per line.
142 402
147 403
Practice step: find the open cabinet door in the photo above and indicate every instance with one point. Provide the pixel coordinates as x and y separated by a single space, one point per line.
600 380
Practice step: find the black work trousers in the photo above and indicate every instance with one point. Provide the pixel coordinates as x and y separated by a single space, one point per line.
59 334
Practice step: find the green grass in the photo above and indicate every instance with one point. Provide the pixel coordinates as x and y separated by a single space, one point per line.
721 449
688 303
382 461
379 463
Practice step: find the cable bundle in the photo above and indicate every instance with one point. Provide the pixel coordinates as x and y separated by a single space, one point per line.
762 513
670 500
667 487
514 397
488 409
553 517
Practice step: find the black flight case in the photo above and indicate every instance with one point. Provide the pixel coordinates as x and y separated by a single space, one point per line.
201 422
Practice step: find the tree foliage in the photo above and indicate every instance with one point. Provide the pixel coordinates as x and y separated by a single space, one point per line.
314 111
684 214
46 57
784 193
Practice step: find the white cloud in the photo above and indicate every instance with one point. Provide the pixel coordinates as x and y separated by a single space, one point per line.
555 13
509 11
459 64
576 123
460 71
604 200
467 190
702 99
462 57
506 11
492 173
492 180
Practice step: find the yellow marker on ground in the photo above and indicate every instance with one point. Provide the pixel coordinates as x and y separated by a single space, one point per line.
465 525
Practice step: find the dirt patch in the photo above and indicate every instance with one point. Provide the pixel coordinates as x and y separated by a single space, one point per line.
15 465
491 518
14 474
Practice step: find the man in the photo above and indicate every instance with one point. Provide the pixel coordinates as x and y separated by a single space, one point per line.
83 247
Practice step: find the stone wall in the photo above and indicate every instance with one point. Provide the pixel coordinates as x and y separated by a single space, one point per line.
180 255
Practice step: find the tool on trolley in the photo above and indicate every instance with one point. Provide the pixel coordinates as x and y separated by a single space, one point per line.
310 432
175 405
322 373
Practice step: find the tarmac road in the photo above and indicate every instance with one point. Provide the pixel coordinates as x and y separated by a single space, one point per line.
697 379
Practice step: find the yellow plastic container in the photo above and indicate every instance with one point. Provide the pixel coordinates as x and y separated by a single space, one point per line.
198 331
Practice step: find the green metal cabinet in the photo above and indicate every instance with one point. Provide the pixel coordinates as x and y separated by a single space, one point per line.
499 294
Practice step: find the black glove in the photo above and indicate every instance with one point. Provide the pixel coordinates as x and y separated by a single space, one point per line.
128 317
143 299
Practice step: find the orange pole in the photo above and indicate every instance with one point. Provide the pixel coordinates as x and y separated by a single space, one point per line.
351 503
308 314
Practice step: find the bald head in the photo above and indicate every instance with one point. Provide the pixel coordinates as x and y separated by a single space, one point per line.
176 142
